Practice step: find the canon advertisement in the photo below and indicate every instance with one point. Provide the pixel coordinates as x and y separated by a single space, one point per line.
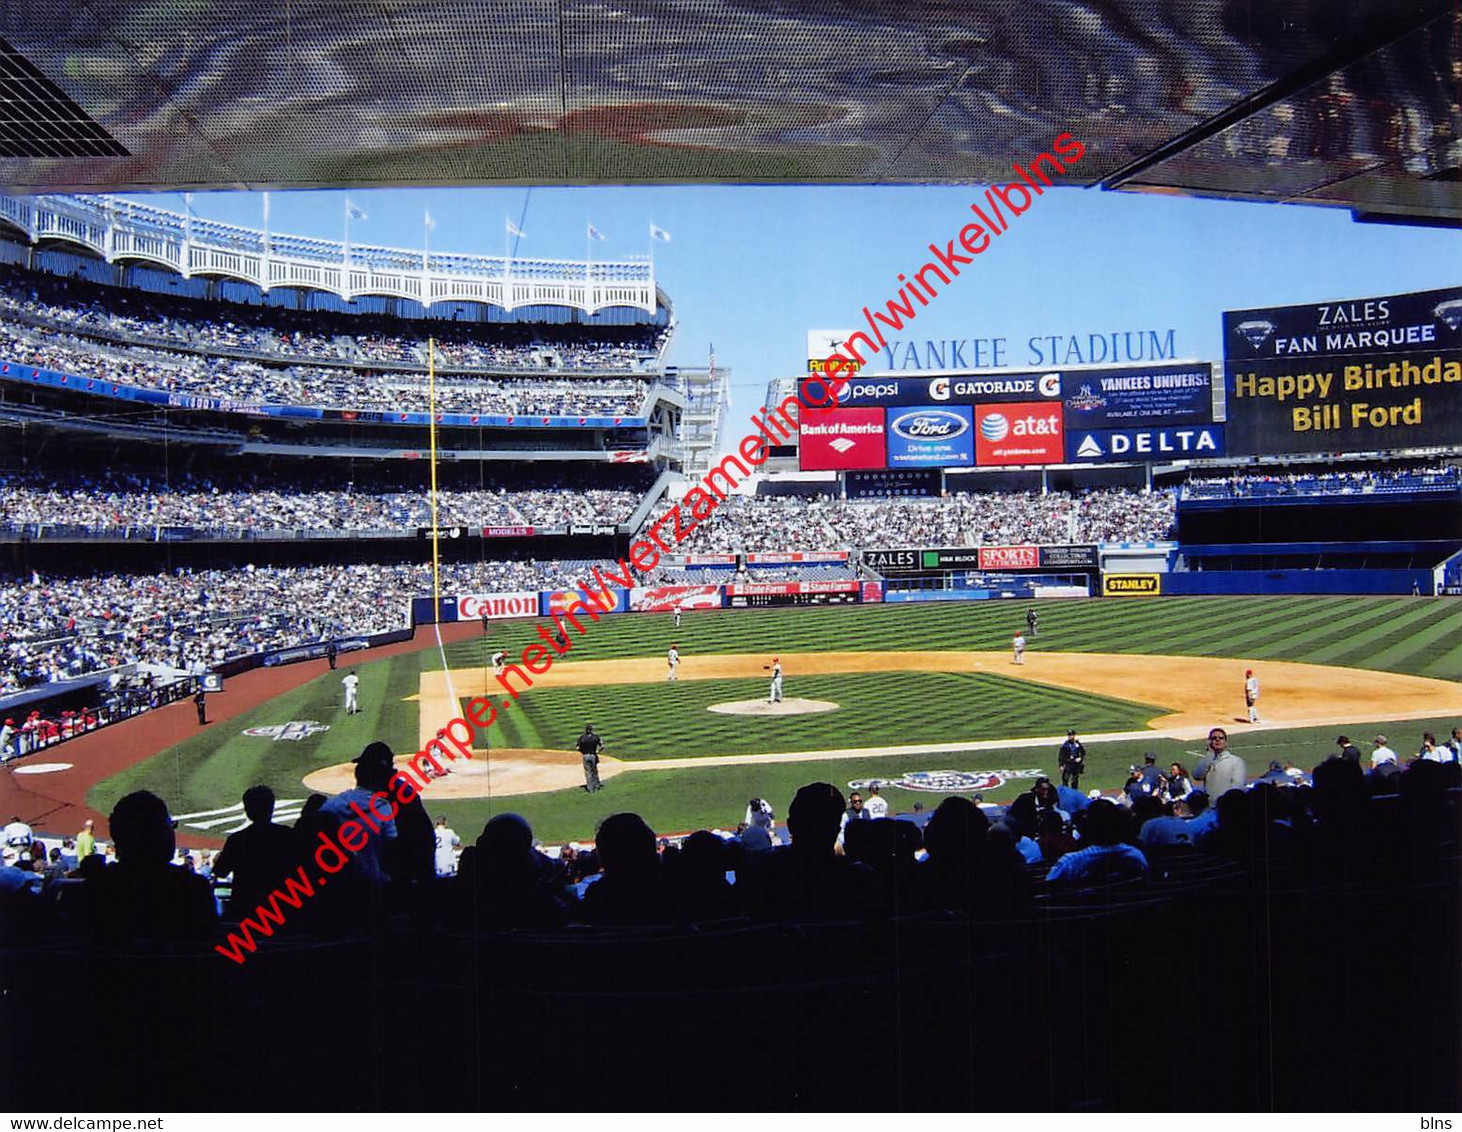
495 607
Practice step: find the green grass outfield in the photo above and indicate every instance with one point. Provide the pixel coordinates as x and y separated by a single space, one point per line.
1420 636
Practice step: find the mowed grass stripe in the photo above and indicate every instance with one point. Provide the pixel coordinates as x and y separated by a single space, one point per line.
1346 617
1396 620
1265 635
661 720
1402 642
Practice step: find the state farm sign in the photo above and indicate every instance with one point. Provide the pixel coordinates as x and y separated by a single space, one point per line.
470 607
1010 558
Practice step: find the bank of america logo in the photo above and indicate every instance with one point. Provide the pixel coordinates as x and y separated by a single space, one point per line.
1088 448
841 445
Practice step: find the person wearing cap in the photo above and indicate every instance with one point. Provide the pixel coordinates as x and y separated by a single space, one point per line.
1348 750
672 660
1275 775
1072 761
1382 753
1251 695
350 807
7 736
775 696
352 692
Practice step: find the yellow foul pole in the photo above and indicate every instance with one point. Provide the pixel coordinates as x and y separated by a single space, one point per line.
436 557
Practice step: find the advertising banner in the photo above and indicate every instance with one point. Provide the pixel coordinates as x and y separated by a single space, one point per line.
667 599
556 601
473 607
708 560
808 556
592 528
821 344
1355 375
929 437
872 591
1010 558
507 532
1131 585
1022 433
1133 397
956 389
838 439
892 561
1079 557
1127 445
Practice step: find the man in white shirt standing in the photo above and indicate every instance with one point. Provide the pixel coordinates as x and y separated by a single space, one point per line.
672 660
1382 754
775 692
876 805
1251 695
1019 646
352 691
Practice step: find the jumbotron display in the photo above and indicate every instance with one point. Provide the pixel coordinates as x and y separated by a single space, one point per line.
1354 375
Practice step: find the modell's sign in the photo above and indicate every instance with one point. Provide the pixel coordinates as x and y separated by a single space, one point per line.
1010 558
507 532
471 607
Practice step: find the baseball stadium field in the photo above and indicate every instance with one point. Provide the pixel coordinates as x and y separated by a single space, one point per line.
916 688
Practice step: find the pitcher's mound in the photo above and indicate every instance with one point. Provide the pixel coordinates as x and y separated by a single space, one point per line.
793 706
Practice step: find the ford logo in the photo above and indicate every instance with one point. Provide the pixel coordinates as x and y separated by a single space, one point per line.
929 424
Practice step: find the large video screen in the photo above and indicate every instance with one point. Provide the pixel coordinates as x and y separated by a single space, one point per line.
1354 375
1088 415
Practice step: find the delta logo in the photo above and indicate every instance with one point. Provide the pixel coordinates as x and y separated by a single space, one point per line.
1023 433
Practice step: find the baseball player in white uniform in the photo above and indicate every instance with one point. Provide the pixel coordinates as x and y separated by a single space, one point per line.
1251 695
776 689
677 617
499 662
1019 645
672 660
352 690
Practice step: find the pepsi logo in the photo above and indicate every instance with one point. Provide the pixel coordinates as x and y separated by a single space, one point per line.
995 427
929 424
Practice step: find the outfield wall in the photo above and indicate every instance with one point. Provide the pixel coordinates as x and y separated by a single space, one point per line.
1198 582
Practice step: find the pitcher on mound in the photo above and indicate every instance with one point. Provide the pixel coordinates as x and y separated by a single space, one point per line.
775 667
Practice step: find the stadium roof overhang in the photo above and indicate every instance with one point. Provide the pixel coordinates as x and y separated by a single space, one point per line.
1353 104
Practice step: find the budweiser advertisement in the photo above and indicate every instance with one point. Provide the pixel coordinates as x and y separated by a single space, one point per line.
666 599
1010 558
1026 432
840 439
471 607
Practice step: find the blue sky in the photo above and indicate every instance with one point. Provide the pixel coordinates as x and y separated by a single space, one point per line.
753 268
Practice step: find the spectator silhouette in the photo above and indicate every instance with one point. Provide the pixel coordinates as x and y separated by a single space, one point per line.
1103 827
144 896
808 880
969 869
696 880
504 884
630 892
258 856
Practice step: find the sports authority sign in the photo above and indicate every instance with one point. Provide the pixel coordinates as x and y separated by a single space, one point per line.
471 607
1010 558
